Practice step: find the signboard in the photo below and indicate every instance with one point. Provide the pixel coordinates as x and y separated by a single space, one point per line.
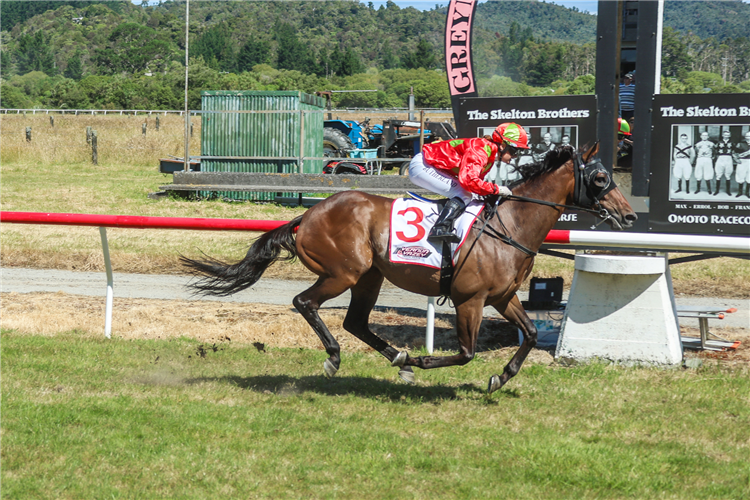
700 165
458 62
549 121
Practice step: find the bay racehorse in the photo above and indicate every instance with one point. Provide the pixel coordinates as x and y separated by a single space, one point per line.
344 240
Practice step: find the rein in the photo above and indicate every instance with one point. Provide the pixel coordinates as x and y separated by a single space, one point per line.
584 175
497 234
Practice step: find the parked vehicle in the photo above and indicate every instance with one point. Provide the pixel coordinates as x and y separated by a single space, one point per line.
392 138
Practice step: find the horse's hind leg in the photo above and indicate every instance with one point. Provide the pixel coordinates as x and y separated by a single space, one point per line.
308 303
364 296
515 313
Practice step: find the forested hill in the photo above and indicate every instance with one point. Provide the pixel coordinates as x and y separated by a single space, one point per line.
13 12
720 20
547 21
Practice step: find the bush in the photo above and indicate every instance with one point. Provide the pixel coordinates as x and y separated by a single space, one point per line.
13 97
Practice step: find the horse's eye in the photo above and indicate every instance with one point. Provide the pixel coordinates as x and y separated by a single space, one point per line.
601 180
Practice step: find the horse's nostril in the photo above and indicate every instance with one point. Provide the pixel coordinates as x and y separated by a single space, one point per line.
631 217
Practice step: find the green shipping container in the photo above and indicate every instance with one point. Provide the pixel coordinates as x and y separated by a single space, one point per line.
261 134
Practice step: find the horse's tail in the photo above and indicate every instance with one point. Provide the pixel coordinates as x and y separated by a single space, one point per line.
219 278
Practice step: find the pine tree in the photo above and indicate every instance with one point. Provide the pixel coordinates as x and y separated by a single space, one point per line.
215 46
75 68
252 53
422 57
350 63
292 54
5 63
35 54
388 59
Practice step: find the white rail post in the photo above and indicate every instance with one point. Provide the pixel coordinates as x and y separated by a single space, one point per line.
430 333
110 284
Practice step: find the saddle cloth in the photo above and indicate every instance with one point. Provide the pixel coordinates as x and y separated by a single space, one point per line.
411 221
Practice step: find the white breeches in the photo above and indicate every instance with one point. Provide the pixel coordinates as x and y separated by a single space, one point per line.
428 177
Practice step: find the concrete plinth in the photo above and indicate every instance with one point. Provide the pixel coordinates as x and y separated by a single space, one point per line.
621 308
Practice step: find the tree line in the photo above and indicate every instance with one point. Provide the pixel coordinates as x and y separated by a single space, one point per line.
117 55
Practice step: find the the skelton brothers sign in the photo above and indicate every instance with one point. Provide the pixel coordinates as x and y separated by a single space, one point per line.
700 167
458 63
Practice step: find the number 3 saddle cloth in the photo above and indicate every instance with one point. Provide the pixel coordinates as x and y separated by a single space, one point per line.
411 221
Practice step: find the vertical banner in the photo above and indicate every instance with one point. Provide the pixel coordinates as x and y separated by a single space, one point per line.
700 164
458 63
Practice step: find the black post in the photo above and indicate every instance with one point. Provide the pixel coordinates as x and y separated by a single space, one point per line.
157 123
608 38
647 83
94 148
51 121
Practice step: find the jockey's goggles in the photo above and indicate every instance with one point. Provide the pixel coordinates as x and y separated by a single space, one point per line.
510 148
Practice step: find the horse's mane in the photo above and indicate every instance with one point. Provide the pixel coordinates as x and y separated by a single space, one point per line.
553 160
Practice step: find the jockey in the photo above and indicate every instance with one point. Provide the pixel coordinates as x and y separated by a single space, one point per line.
624 139
456 170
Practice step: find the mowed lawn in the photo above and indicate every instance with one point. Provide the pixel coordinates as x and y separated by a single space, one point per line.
96 418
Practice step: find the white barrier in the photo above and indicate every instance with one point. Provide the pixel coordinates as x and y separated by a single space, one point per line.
621 308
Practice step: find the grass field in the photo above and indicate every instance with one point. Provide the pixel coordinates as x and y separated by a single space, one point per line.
88 418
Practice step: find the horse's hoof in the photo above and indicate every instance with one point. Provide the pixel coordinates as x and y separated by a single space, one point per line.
329 369
494 384
407 375
400 359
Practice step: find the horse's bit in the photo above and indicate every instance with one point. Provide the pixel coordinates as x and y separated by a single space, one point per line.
587 192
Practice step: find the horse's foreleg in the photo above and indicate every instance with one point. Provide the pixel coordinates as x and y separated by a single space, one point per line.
364 296
468 321
515 313
308 303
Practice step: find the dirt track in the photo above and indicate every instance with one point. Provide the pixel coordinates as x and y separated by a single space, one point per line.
159 306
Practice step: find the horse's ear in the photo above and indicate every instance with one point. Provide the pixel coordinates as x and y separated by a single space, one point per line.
591 152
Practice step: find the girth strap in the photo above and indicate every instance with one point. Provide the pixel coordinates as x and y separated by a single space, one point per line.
446 270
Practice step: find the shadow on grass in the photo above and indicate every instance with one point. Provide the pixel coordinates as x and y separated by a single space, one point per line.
494 332
396 391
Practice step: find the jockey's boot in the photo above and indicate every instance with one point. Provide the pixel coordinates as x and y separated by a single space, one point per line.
729 185
443 228
698 189
679 186
739 190
718 182
687 186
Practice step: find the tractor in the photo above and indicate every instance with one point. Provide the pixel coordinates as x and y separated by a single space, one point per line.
393 139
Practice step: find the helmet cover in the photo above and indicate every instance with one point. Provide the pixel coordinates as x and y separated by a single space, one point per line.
513 134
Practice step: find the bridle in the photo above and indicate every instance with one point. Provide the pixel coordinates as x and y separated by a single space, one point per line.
586 192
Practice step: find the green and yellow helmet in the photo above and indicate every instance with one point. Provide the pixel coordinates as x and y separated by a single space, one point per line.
623 127
513 134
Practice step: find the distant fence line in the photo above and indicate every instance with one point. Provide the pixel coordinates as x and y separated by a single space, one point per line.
149 112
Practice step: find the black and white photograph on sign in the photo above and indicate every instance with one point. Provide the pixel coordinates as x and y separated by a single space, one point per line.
710 163
700 165
541 140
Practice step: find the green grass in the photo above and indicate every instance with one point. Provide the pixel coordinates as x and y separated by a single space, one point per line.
85 418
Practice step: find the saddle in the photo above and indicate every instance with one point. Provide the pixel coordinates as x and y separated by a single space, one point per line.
412 219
